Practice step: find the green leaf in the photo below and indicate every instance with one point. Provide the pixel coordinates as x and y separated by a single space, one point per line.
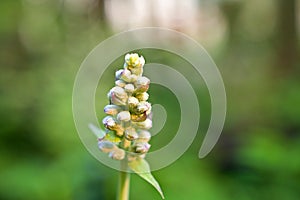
97 131
141 167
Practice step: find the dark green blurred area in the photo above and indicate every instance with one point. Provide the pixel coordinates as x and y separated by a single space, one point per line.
43 43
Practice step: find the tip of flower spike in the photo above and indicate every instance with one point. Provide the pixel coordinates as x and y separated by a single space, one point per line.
134 60
128 108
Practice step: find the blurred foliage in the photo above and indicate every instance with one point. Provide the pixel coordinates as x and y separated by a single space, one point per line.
43 43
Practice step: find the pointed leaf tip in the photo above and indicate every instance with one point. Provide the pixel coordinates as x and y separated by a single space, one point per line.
141 167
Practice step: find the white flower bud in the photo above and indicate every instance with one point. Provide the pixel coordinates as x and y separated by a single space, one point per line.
143 80
119 92
111 109
123 116
132 104
144 136
131 134
120 83
142 147
109 122
106 146
119 73
148 112
142 61
142 84
117 96
133 78
129 88
142 96
132 101
127 58
137 71
116 101
147 124
126 75
143 107
117 154
132 59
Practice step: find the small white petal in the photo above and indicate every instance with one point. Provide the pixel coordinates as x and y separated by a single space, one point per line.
129 88
143 96
117 154
119 73
111 109
126 75
147 124
131 134
144 135
132 101
123 116
143 81
120 83
142 61
106 146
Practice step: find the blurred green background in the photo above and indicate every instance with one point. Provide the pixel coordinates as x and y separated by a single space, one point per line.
254 43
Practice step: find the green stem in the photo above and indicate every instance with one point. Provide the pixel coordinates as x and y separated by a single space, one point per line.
124 182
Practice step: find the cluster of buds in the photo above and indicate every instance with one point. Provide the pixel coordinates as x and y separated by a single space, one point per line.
129 113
